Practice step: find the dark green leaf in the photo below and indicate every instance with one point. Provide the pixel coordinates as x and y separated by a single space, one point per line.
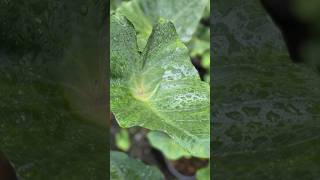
52 124
266 109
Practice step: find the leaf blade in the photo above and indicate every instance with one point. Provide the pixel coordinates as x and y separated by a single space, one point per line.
166 94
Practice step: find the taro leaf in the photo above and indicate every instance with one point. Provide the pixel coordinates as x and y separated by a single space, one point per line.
123 167
203 173
166 145
141 22
42 129
266 110
160 89
185 15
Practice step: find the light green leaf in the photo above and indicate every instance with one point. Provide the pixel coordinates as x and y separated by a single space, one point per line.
203 174
141 22
206 60
160 89
123 140
167 146
185 15
123 167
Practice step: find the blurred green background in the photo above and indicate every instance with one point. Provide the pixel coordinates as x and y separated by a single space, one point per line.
53 87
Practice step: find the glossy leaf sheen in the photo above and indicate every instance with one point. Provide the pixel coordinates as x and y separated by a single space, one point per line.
266 109
52 114
159 89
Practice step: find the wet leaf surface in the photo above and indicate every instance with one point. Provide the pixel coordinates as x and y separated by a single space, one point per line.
52 105
266 109
185 15
159 89
123 167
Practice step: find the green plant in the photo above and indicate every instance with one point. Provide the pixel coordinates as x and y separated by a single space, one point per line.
124 167
144 13
167 145
203 174
153 83
51 124
266 110
123 140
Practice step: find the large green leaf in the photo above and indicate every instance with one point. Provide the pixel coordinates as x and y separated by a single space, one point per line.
159 89
185 15
166 145
123 167
52 114
266 110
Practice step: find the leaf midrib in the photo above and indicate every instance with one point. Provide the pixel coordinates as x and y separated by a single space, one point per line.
158 114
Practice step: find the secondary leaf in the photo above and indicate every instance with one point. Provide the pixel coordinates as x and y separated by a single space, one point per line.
266 109
46 133
123 167
185 15
160 89
166 145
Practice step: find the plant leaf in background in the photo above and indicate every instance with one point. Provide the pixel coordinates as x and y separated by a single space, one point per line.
200 42
42 129
123 167
185 15
203 174
307 11
206 13
266 110
123 140
166 145
199 47
159 90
